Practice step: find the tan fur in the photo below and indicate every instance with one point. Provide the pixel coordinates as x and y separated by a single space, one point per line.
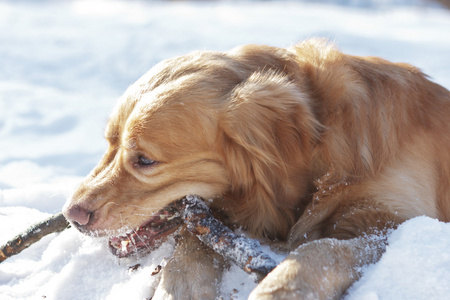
292 144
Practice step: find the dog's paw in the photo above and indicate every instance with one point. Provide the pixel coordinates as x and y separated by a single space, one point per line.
194 272
283 283
322 269
181 280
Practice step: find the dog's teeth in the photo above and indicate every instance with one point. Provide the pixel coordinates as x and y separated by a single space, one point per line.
124 245
172 217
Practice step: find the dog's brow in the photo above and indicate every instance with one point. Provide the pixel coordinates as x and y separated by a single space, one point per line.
113 139
130 144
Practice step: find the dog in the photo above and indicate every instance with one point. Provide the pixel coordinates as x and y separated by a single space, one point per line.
321 151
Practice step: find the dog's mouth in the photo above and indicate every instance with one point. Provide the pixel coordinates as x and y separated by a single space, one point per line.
148 236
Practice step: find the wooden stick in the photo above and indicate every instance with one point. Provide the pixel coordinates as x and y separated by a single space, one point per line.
55 223
245 252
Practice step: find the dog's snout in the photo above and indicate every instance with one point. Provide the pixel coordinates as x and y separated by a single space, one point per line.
78 214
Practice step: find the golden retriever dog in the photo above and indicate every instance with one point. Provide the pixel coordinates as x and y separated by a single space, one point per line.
306 146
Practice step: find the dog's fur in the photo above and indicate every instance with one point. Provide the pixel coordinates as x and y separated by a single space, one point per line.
294 145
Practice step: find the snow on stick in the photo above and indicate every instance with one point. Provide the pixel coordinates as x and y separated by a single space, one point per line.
245 252
33 234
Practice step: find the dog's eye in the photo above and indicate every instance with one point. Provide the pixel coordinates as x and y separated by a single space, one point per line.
144 161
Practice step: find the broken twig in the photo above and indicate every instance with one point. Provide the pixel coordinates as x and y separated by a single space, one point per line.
245 252
55 223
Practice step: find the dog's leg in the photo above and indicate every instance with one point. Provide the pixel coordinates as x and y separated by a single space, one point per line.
351 238
193 272
321 269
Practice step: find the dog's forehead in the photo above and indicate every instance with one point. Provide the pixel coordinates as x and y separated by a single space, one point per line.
177 114
172 113
184 83
200 64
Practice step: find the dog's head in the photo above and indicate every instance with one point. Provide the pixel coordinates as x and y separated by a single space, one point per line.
230 125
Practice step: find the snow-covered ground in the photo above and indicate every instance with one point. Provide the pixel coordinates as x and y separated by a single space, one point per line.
63 64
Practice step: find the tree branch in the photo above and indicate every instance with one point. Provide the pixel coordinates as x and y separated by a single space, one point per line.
245 252
55 223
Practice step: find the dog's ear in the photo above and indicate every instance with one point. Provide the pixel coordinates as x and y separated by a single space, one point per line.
269 130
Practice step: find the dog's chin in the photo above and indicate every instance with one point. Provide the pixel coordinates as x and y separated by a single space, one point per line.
148 236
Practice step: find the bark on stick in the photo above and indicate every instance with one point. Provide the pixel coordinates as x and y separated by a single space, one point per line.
245 252
55 223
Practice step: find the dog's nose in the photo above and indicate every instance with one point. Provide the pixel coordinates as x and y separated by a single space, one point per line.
78 215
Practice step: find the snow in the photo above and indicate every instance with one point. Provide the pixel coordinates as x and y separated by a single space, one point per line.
63 64
415 265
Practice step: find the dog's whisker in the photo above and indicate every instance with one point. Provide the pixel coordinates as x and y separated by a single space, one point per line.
145 215
142 240
122 225
117 148
141 207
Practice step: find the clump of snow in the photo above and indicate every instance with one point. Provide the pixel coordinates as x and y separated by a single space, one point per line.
70 265
416 264
64 64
